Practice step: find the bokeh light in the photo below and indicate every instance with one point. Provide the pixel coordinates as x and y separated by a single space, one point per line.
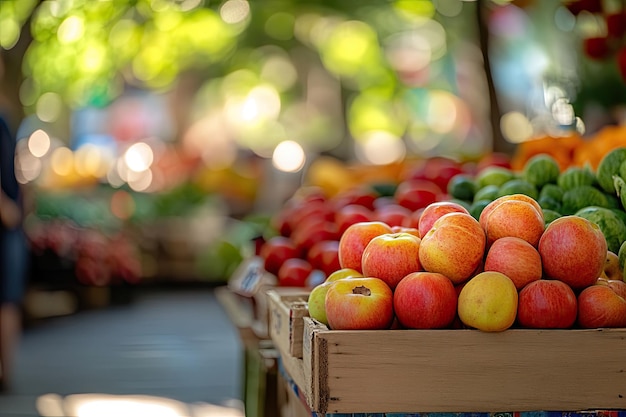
71 29
380 148
62 161
39 143
289 156
235 11
516 127
139 157
49 107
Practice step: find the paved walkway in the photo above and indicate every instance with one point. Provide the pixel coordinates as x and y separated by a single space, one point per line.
173 343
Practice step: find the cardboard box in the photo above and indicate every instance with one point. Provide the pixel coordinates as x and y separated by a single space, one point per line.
287 307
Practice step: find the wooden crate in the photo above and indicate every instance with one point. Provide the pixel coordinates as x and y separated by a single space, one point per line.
287 307
460 370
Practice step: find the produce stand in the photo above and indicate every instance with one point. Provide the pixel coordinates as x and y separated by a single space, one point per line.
450 371
245 302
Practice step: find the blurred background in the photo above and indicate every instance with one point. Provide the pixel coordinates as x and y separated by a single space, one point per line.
156 138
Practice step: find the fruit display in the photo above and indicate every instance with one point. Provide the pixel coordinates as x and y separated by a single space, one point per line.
389 199
558 280
490 230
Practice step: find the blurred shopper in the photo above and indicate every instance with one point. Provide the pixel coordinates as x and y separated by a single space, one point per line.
13 257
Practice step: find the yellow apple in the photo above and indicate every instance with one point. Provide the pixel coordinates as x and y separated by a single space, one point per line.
488 302
317 296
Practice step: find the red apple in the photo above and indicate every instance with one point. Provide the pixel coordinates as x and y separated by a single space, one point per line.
294 272
314 210
573 250
350 214
597 47
360 196
391 257
393 214
359 304
494 159
435 210
317 297
414 220
600 306
425 300
354 240
324 255
515 258
276 251
617 285
437 169
403 229
313 230
417 193
454 247
547 304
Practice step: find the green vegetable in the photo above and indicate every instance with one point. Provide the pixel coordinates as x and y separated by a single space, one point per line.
541 169
518 186
581 197
613 228
608 167
574 177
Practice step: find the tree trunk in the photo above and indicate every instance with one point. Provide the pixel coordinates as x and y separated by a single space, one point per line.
499 144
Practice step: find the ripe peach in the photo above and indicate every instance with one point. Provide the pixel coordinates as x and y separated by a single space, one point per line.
573 250
454 247
515 258
513 218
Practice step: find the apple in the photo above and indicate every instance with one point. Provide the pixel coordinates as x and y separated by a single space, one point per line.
317 296
294 272
611 268
425 300
494 159
359 304
435 210
406 229
414 220
454 247
573 250
361 196
512 217
311 231
516 197
324 255
416 193
308 202
354 240
547 304
350 214
488 302
617 285
313 210
436 169
276 250
600 306
515 258
391 256
393 214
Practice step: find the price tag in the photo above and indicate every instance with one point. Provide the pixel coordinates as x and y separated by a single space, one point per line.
249 277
